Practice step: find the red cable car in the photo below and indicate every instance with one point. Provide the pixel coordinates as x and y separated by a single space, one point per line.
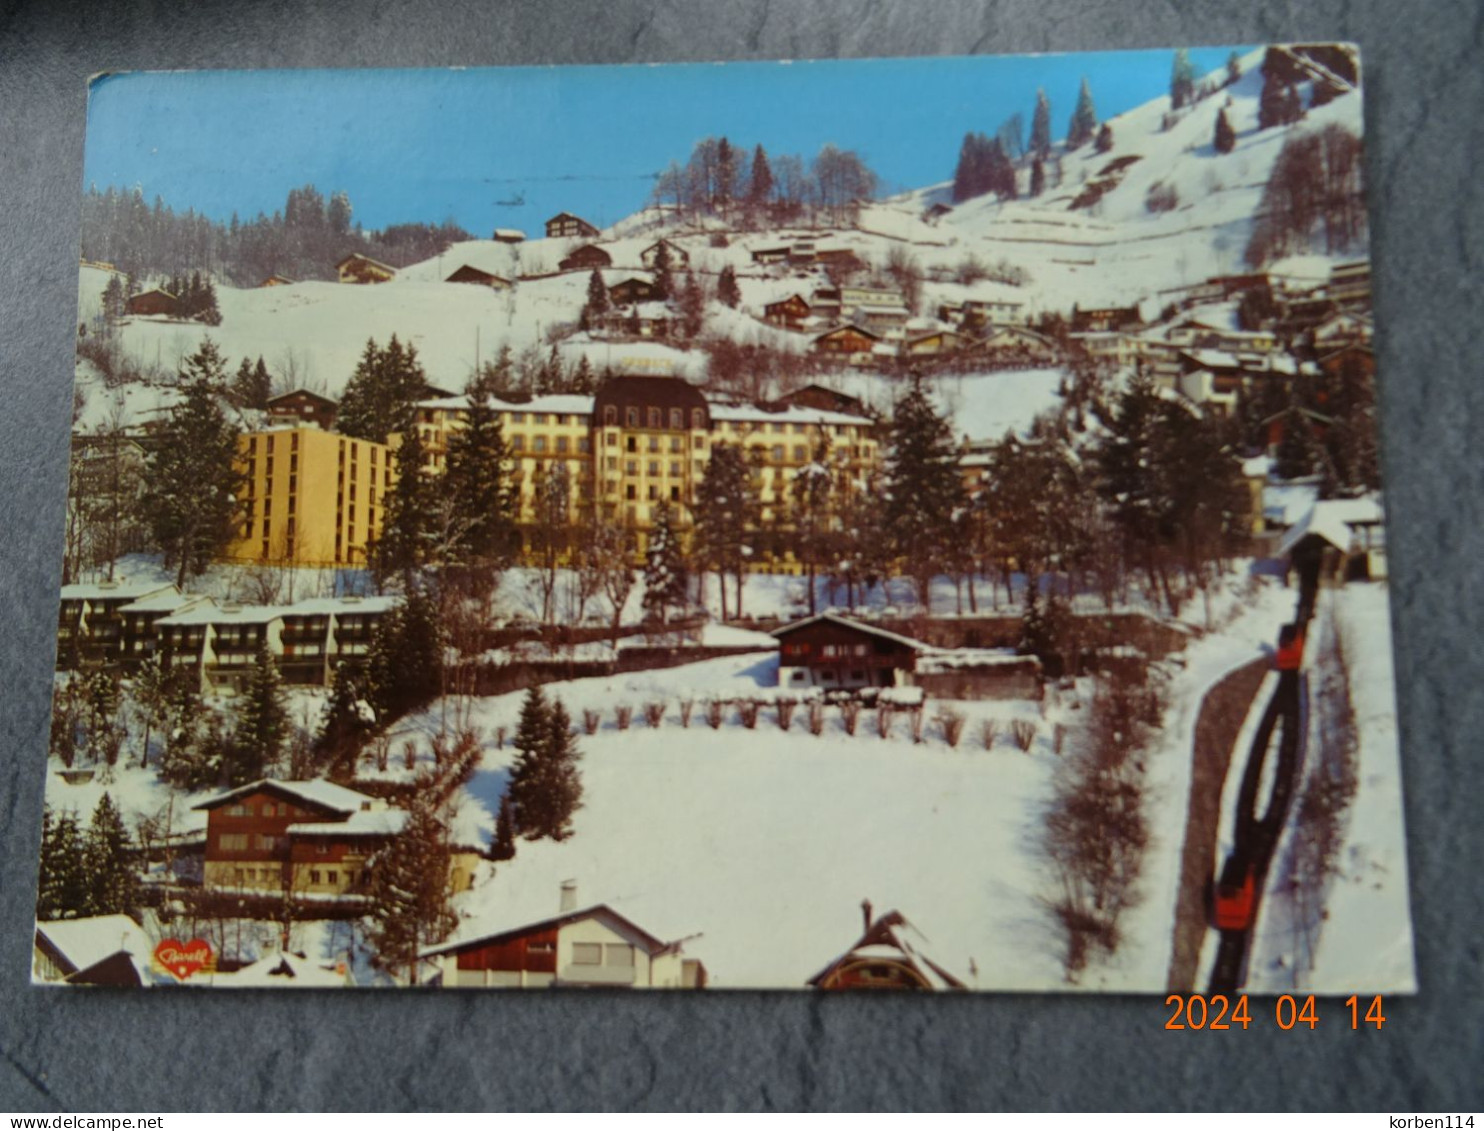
1290 648
1234 903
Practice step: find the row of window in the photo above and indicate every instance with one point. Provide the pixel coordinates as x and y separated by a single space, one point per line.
602 954
241 842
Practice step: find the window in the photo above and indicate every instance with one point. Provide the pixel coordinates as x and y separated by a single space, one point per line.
697 418
611 463
655 420
618 954
517 443
631 467
677 418
654 443
675 443
631 417
538 443
239 810
629 493
587 954
266 843
610 416
322 848
561 444
314 875
654 467
675 467
632 445
801 453
777 453
584 444
675 494
332 876
232 842
654 492
538 418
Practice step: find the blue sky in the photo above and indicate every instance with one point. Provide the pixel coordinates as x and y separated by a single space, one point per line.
465 144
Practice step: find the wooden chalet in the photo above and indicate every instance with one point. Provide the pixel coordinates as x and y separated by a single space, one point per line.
770 255
676 254
1106 318
788 313
591 946
304 407
830 651
935 212
564 225
839 260
277 281
935 344
358 268
468 274
508 235
586 257
1020 344
154 301
824 399
308 837
885 958
631 290
849 340
99 950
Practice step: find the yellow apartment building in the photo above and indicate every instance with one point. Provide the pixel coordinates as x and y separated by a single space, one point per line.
312 498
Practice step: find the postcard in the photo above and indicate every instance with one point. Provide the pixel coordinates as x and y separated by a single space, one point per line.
887 524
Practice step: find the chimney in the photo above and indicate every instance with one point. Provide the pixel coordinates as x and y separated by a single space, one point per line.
866 914
569 896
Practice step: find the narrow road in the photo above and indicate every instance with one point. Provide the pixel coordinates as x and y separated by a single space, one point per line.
1223 711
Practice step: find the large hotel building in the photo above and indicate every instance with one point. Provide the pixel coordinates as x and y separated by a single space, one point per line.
318 498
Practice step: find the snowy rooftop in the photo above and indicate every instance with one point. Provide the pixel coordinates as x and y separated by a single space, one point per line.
87 942
1332 520
281 968
371 822
870 629
794 414
208 612
566 403
164 602
316 792
113 590
495 927
320 606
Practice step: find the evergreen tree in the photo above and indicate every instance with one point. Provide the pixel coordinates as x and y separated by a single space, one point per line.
1105 139
407 528
62 888
477 485
923 488
1041 127
727 291
1279 103
597 299
664 283
665 579
382 394
409 894
1038 178
190 497
1226 137
692 306
502 847
545 785
760 188
404 667
583 383
263 726
1233 68
1182 80
208 311
347 724
113 887
1084 121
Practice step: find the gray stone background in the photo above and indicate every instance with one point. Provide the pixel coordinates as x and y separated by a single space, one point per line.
104 1051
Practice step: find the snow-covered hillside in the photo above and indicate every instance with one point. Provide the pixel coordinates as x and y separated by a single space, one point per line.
1111 251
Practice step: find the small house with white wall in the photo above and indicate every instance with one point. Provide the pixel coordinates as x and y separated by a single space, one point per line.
590 946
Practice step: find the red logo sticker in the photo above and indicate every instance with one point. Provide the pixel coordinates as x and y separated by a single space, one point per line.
183 959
